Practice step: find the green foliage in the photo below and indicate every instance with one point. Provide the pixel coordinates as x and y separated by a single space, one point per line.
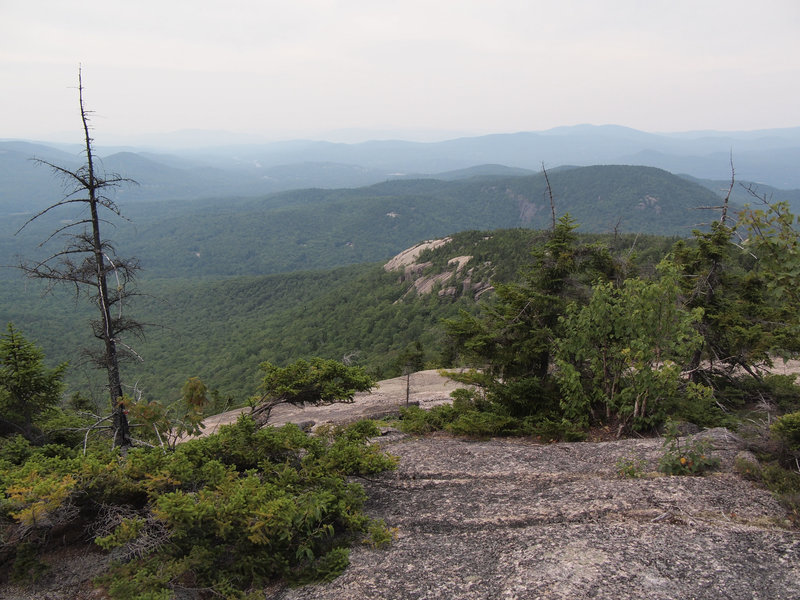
787 430
777 392
36 500
166 425
690 457
772 235
551 429
483 424
511 340
418 421
313 381
28 390
749 317
698 404
785 485
316 381
349 450
379 535
64 427
224 512
410 360
620 355
469 415
781 482
26 567
748 469
228 327
15 449
631 467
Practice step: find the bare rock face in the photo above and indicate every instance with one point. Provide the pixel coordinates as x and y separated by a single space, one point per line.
514 519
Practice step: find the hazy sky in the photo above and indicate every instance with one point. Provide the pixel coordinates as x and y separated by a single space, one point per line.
290 68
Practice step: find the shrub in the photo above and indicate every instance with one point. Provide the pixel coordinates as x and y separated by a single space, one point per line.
483 424
787 430
26 566
550 429
690 458
781 481
417 421
785 485
697 404
748 469
631 467
224 513
15 449
379 535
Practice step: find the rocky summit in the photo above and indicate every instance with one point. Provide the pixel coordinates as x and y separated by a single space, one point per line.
508 519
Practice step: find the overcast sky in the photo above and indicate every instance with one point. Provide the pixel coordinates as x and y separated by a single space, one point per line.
419 69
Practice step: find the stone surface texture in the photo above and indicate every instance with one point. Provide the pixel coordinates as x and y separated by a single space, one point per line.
511 519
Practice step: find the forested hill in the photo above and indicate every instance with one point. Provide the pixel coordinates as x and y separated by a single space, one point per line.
210 325
221 330
311 229
321 229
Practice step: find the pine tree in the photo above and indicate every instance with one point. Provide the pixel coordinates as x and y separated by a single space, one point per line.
28 389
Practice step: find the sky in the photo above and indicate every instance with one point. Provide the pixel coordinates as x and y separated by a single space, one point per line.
413 69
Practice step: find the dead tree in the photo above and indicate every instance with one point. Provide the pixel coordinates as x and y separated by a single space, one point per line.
88 262
552 201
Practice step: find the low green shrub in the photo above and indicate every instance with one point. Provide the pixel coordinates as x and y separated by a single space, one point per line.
26 567
15 449
748 469
692 457
785 485
483 424
553 429
379 535
699 405
225 513
417 421
787 430
781 481
631 467
781 391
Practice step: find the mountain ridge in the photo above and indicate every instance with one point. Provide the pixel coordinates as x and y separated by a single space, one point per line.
768 156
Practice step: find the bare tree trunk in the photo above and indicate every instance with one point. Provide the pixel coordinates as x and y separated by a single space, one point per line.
121 428
90 273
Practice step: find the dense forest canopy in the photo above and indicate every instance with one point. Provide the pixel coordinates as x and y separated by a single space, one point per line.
320 229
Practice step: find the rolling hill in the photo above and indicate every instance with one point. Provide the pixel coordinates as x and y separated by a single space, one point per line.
321 229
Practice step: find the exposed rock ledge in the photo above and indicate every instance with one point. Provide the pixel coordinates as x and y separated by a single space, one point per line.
512 519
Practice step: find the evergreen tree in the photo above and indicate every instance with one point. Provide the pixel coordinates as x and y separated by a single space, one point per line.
28 390
746 318
512 339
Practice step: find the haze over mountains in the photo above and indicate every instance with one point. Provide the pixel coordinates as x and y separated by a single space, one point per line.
175 170
240 242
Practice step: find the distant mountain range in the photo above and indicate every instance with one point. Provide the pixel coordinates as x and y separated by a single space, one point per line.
769 157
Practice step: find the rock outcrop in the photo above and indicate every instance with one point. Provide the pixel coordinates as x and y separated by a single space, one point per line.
513 519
